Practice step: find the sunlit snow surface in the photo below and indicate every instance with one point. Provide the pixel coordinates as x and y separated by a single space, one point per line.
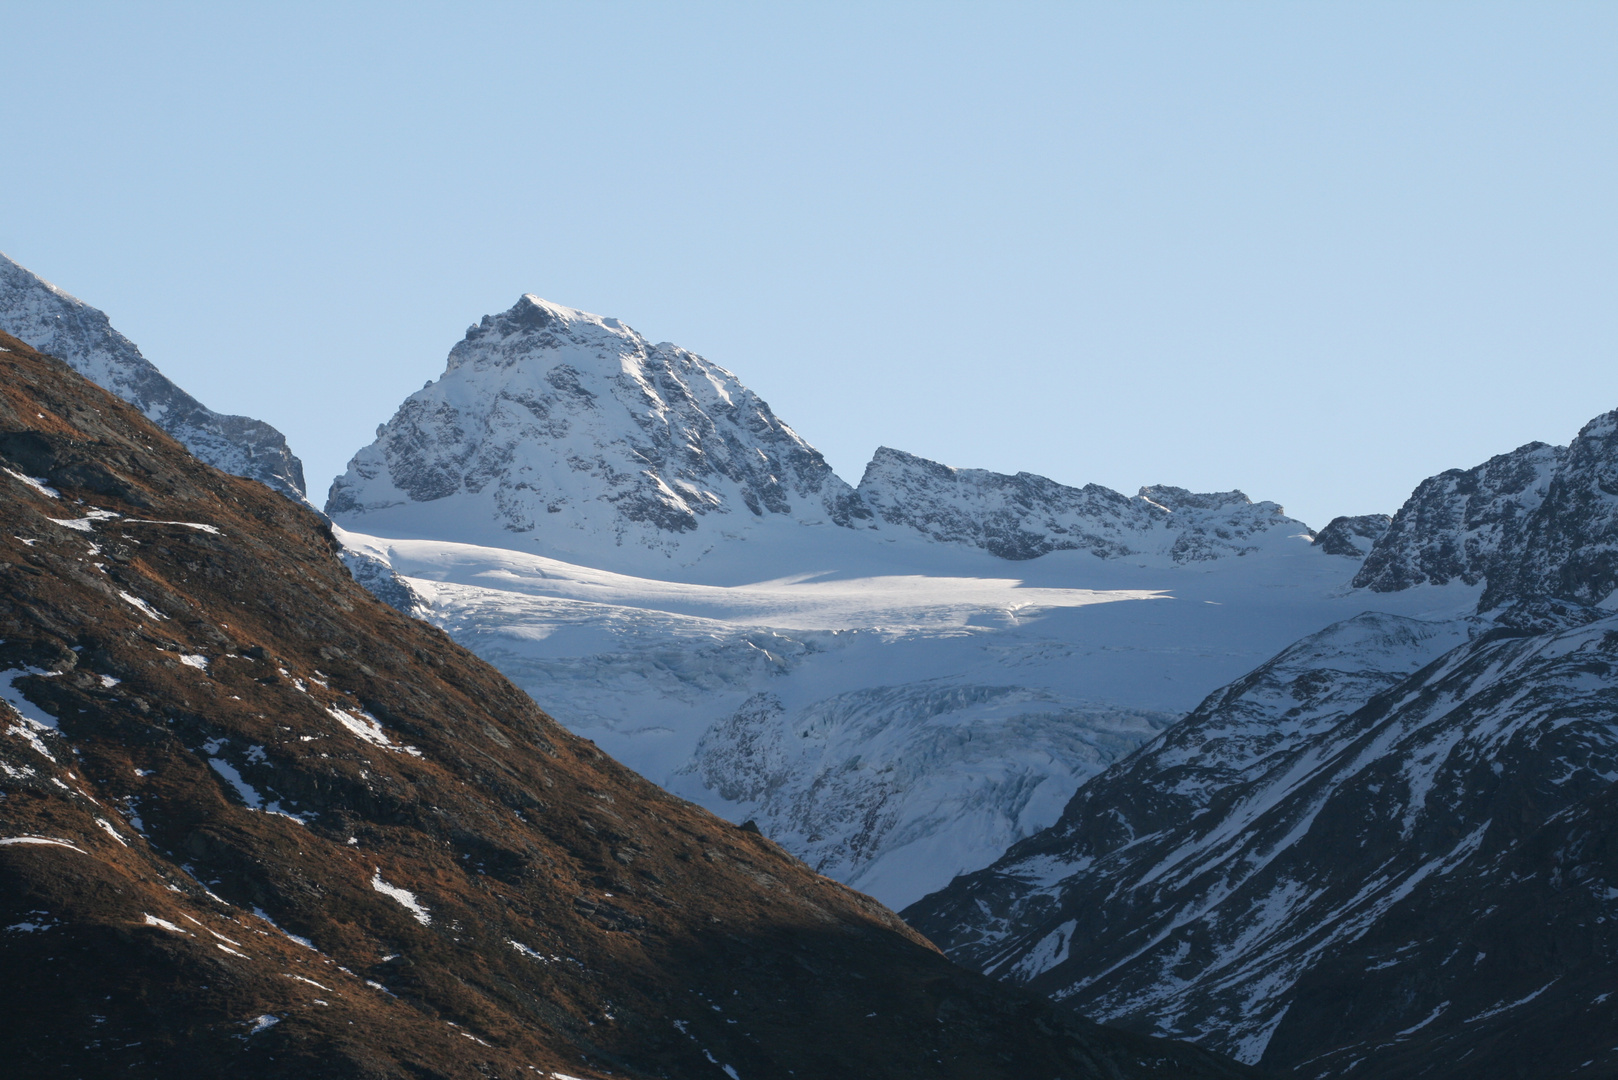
896 721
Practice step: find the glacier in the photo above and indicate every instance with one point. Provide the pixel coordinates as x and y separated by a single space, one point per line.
895 681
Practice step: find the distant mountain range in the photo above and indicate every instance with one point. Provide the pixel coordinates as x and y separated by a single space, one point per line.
568 433
896 681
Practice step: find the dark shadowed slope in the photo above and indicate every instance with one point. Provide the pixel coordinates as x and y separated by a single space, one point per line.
255 823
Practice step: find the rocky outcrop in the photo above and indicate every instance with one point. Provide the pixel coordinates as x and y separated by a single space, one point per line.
1539 522
255 823
1024 516
1352 537
53 322
1570 549
555 423
1462 525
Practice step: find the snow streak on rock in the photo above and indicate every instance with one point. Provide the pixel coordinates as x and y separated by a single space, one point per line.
1292 815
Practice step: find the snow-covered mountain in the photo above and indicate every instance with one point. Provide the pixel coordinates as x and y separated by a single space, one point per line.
560 432
50 320
1308 871
555 425
897 681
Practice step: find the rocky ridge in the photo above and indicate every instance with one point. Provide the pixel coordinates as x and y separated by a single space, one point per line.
1024 516
254 822
1539 522
63 326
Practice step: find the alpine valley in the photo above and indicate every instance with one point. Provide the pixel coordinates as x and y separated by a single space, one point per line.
256 823
1331 803
895 681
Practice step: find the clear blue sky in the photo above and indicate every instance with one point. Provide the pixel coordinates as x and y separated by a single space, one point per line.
1313 250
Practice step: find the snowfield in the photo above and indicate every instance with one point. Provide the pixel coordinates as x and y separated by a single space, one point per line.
897 721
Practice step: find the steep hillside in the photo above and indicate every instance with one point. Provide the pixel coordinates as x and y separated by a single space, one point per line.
1312 867
67 328
255 823
1380 853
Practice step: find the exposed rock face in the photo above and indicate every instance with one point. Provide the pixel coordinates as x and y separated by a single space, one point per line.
255 823
1290 873
1520 986
1539 522
1026 516
1352 537
53 322
553 421
1570 551
1462 524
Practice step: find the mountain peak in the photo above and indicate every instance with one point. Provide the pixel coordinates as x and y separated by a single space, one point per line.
575 430
531 314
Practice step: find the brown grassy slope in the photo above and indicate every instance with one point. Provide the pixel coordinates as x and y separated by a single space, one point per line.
575 917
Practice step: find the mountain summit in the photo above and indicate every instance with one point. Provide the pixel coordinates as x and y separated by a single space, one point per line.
552 420
566 430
